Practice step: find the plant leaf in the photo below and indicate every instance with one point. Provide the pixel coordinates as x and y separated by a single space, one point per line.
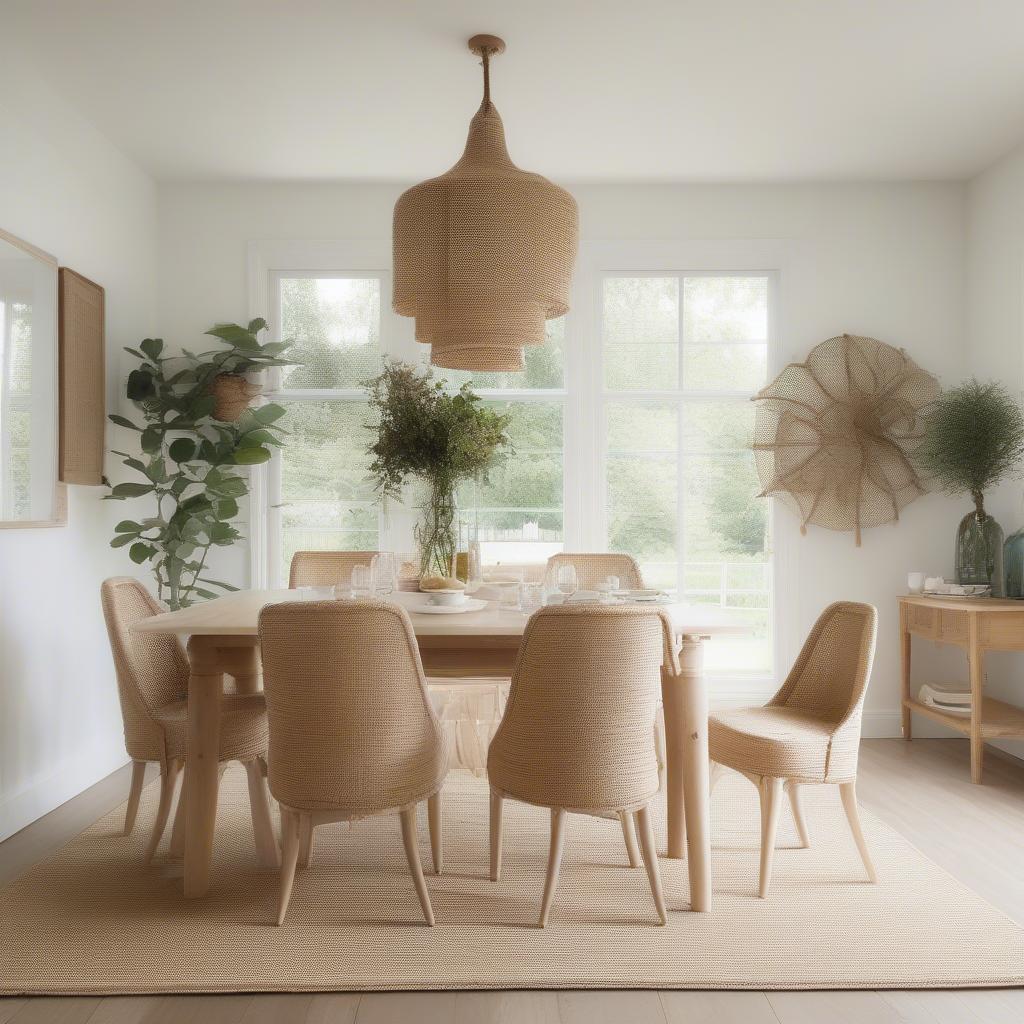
131 490
269 413
152 347
128 526
252 456
139 552
122 421
182 449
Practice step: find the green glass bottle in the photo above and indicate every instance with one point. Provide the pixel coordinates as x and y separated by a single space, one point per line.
1013 565
979 551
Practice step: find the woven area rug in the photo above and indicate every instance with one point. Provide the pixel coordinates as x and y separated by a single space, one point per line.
94 919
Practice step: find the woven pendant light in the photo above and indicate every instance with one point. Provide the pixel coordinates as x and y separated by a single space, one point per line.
483 254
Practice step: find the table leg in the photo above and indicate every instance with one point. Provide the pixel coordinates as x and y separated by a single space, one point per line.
205 684
905 648
242 663
974 657
687 783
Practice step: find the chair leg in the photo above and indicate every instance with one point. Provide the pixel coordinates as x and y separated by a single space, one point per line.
412 854
496 802
795 801
771 791
289 858
558 817
167 780
848 790
305 840
717 771
646 830
134 794
630 837
262 825
436 835
177 847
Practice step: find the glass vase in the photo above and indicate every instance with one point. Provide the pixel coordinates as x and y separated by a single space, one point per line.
1013 565
437 533
979 551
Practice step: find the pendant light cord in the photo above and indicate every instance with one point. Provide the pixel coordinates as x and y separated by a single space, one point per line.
485 55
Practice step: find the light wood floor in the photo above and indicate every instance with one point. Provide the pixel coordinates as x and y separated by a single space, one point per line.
920 788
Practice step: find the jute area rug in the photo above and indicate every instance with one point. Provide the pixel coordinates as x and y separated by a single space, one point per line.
94 919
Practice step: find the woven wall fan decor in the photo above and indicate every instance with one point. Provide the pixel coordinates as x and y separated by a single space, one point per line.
483 254
833 435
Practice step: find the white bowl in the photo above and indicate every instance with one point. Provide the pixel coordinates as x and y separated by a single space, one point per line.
446 597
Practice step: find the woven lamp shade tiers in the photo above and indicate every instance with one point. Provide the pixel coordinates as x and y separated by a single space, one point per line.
833 435
483 254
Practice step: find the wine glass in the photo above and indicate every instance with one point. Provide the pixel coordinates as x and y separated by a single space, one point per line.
384 570
568 583
474 567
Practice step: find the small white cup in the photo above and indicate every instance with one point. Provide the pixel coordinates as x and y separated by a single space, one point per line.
915 582
448 597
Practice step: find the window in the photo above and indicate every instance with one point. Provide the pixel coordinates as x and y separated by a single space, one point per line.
319 496
631 429
682 355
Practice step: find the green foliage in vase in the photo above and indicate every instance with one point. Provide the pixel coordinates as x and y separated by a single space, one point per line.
974 438
192 466
442 438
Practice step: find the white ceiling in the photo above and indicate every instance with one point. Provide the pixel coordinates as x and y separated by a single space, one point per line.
590 90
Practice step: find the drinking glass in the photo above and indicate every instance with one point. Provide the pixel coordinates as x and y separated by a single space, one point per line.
531 597
362 581
384 570
474 567
509 598
568 584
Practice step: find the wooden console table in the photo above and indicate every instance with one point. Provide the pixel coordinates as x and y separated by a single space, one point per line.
977 625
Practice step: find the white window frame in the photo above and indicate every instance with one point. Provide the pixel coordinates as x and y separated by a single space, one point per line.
583 394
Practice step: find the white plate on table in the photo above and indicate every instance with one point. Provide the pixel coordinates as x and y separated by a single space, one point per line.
471 604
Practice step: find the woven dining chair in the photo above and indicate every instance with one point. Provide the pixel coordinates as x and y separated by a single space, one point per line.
809 732
593 568
352 731
577 732
326 568
152 683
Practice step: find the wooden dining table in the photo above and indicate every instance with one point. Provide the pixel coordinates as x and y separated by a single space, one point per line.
223 639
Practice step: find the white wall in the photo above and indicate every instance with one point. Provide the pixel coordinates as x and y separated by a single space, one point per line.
995 279
68 191
884 260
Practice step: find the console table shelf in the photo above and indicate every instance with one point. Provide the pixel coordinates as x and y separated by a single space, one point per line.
977 625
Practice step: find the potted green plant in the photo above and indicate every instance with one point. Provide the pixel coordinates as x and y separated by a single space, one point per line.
441 438
973 439
191 463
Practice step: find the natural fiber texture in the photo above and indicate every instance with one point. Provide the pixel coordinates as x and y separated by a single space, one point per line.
810 729
232 394
96 919
152 680
578 730
833 435
483 254
328 568
593 569
351 725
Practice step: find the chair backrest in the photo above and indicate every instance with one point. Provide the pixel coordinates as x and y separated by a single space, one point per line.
578 729
351 725
152 669
593 568
326 568
830 677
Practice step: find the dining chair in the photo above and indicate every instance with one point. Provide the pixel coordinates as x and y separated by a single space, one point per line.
352 731
592 568
809 732
152 683
325 568
577 734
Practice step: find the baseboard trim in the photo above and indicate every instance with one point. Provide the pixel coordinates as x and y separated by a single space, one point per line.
72 775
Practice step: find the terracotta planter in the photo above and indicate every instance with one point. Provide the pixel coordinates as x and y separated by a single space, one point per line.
232 393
